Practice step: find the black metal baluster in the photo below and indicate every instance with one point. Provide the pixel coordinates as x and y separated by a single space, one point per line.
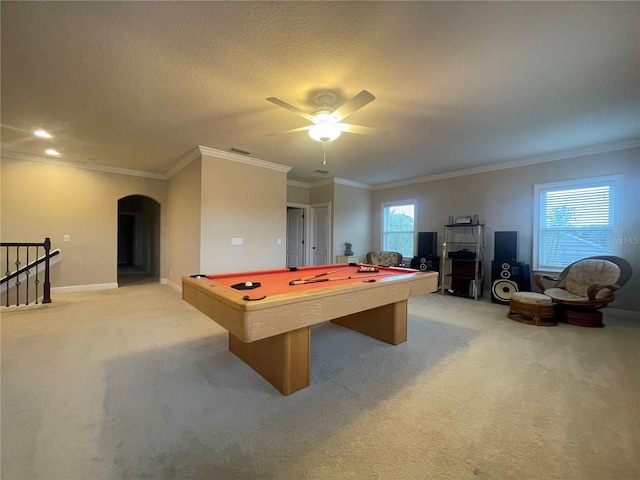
7 273
26 272
47 283
37 281
17 276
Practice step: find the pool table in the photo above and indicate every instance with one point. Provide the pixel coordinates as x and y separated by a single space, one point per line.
268 313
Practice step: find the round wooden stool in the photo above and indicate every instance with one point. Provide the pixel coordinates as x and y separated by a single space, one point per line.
532 308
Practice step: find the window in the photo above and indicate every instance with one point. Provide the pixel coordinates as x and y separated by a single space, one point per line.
398 227
574 220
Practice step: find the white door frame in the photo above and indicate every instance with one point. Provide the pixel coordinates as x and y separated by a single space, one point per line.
329 231
306 235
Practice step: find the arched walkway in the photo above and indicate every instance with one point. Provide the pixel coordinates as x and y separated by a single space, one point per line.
138 240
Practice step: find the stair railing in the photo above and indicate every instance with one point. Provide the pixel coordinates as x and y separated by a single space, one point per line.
26 256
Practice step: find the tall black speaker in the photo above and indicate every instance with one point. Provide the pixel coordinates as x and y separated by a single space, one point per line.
427 244
508 278
505 246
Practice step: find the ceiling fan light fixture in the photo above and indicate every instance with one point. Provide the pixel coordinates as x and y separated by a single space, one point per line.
324 132
325 128
326 122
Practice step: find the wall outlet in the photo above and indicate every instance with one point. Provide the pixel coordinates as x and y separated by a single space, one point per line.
237 241
67 238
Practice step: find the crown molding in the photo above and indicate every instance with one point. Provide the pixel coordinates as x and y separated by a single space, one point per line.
349 183
86 166
328 181
319 183
297 183
521 162
184 160
212 152
194 153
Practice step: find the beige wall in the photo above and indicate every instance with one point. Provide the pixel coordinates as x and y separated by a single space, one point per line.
350 213
183 223
213 199
504 201
201 207
51 200
352 220
247 201
321 193
297 194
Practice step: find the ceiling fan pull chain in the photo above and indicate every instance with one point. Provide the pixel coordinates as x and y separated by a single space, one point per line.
324 155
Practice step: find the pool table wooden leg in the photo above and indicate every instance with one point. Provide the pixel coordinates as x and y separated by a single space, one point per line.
387 323
283 360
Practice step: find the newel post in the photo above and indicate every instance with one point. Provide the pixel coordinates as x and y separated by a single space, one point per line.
47 283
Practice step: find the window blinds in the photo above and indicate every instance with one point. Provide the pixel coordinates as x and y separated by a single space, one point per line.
575 223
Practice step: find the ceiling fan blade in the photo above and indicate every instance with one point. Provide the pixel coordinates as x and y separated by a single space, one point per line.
356 103
361 130
291 108
293 130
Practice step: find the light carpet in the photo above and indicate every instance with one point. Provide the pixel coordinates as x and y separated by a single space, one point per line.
135 383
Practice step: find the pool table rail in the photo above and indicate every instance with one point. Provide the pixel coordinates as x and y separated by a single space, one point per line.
250 321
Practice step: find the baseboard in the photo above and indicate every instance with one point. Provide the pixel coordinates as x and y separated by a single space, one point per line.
175 286
84 288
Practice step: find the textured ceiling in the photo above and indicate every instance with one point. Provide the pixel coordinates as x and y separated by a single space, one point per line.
458 85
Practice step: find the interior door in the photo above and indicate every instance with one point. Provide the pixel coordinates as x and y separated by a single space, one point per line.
295 237
321 236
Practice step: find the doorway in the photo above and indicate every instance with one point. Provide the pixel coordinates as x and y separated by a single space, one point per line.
296 228
320 234
138 255
308 234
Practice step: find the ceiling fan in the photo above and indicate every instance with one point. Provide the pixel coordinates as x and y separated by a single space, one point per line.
327 123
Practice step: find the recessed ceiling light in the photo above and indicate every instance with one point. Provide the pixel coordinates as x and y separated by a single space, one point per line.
42 133
51 151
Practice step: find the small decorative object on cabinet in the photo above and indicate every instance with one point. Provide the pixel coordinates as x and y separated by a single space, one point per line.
462 259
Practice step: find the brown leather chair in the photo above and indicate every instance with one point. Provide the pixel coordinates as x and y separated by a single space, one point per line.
585 287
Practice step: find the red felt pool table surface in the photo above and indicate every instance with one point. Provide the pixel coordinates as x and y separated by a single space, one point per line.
277 281
269 325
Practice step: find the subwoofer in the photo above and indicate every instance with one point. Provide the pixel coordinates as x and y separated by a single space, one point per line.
429 264
427 244
507 278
